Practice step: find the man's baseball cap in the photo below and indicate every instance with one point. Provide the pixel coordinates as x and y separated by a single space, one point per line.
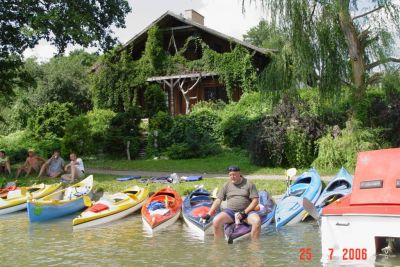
233 168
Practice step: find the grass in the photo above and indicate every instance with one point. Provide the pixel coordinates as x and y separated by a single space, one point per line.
212 164
109 184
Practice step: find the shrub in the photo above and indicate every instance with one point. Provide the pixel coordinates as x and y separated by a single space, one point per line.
77 137
17 144
234 129
99 124
194 135
154 100
51 118
162 123
299 149
267 144
342 150
206 124
273 142
124 127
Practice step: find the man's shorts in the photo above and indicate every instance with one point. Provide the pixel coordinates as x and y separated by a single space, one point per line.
231 213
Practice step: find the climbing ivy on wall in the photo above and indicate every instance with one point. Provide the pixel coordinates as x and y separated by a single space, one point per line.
117 77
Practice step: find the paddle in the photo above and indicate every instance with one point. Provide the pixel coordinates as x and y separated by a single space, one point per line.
311 209
290 173
230 238
236 223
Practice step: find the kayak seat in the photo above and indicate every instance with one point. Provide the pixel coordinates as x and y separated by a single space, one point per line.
298 189
197 199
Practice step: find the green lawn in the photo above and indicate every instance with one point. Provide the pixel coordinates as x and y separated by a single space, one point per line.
109 184
213 164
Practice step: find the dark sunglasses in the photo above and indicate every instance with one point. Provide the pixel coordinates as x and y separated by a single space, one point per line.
233 169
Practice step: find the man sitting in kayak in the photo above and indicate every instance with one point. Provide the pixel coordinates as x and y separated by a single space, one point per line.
242 198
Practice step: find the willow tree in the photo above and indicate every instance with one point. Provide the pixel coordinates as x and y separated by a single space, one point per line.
336 42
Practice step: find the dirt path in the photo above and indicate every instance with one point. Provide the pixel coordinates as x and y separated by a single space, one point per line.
207 175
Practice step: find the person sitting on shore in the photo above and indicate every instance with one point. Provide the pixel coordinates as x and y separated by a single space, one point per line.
32 163
74 169
5 165
54 166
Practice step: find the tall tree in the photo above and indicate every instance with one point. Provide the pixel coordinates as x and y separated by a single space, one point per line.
24 23
338 42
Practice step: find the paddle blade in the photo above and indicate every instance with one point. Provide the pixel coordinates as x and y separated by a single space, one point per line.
310 208
214 193
290 173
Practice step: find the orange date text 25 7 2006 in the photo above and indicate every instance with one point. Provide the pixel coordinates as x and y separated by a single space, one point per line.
305 254
351 254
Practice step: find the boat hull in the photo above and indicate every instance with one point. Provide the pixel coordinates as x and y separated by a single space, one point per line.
39 212
201 231
195 206
235 232
290 209
162 225
109 218
161 210
243 231
19 203
356 232
13 209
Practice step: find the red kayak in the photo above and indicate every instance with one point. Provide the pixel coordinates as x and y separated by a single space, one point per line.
4 191
162 209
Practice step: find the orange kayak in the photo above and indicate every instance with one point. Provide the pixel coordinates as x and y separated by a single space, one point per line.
162 209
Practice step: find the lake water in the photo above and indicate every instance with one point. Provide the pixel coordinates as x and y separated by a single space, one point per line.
125 243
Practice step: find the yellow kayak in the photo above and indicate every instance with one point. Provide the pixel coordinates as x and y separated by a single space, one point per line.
112 207
16 200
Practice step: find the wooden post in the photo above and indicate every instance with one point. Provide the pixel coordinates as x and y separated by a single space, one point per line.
186 92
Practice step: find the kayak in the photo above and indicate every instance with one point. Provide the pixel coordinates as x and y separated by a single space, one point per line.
8 188
195 206
339 186
265 209
290 209
161 210
113 207
15 200
61 203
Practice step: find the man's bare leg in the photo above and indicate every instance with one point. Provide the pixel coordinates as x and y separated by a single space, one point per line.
218 223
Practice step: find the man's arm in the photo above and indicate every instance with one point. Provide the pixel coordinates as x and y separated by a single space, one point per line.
251 206
215 206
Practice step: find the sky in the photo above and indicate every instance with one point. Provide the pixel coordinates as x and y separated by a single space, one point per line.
224 16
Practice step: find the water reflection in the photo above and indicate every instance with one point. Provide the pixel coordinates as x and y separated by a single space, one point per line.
125 243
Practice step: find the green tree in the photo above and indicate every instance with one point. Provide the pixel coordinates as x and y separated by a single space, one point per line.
331 47
154 99
65 79
24 23
265 35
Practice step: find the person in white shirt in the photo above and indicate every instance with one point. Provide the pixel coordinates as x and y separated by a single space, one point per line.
74 169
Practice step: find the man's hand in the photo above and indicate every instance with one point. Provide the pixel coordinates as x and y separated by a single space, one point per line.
206 217
243 215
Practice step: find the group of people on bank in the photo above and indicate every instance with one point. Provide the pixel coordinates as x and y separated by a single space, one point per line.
53 167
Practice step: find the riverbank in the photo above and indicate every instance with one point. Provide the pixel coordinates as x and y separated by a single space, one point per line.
108 183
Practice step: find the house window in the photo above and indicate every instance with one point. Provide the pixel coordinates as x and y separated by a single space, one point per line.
215 93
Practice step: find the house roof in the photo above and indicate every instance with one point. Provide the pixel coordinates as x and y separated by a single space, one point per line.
142 36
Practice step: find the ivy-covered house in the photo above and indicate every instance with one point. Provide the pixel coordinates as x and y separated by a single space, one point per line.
181 34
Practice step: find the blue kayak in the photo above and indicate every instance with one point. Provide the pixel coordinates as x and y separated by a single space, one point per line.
61 203
195 205
290 209
339 186
128 178
235 232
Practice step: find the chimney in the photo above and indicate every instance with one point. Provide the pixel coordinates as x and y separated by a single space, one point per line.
194 16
